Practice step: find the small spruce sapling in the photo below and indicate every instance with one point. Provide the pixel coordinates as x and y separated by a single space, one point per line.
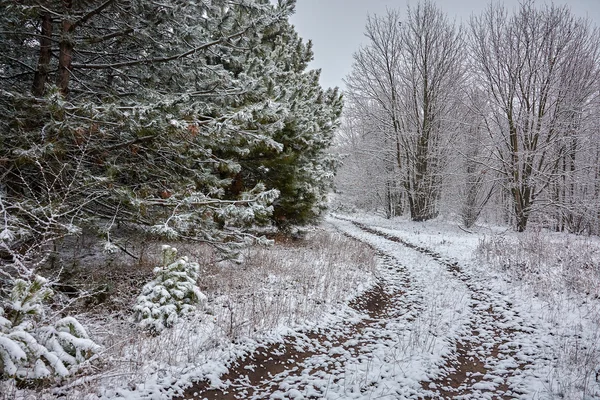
172 293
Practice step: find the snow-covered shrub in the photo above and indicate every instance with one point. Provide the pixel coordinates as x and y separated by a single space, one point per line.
173 292
31 350
26 299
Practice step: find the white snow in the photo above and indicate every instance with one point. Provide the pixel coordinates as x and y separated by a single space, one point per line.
446 305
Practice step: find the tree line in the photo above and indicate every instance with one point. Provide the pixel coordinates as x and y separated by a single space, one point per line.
500 113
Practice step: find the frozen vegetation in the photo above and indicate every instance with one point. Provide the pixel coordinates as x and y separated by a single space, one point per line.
454 305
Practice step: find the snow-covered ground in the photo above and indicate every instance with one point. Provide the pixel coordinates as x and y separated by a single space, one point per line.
289 287
454 327
449 313
547 336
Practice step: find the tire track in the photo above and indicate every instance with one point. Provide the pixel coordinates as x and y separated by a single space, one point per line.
333 362
485 362
315 362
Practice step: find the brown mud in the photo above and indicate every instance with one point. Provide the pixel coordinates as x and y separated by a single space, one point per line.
469 365
259 373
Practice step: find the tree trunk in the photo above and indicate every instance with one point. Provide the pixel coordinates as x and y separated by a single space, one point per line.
66 50
522 207
41 74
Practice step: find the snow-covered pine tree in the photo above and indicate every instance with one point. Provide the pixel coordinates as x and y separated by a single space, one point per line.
172 293
148 114
299 165
32 348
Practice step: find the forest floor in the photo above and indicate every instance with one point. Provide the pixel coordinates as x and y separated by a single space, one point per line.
431 327
363 308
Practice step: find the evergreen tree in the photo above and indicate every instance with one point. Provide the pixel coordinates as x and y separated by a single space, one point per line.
173 292
30 348
297 163
149 114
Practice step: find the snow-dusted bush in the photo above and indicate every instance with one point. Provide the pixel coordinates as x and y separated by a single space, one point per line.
32 350
173 292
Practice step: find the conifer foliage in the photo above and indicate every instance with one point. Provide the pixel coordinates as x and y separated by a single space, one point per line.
190 120
301 169
32 348
182 119
173 292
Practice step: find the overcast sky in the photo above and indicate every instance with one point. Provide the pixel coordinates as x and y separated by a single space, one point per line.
336 27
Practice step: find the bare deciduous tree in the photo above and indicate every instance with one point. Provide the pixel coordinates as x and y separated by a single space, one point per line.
477 178
538 68
432 60
409 73
373 90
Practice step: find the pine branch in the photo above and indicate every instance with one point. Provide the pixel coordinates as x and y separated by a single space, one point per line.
92 13
36 35
160 59
110 36
21 63
125 144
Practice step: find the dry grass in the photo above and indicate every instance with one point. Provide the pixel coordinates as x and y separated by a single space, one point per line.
564 271
285 284
548 262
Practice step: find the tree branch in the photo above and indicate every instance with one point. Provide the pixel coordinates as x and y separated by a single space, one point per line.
112 35
159 59
92 13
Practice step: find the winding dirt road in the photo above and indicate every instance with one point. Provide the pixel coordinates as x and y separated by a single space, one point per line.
393 350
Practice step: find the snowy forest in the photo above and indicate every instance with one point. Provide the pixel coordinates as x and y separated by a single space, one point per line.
442 117
186 213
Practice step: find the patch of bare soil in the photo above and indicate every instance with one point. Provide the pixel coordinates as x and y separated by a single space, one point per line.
259 374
